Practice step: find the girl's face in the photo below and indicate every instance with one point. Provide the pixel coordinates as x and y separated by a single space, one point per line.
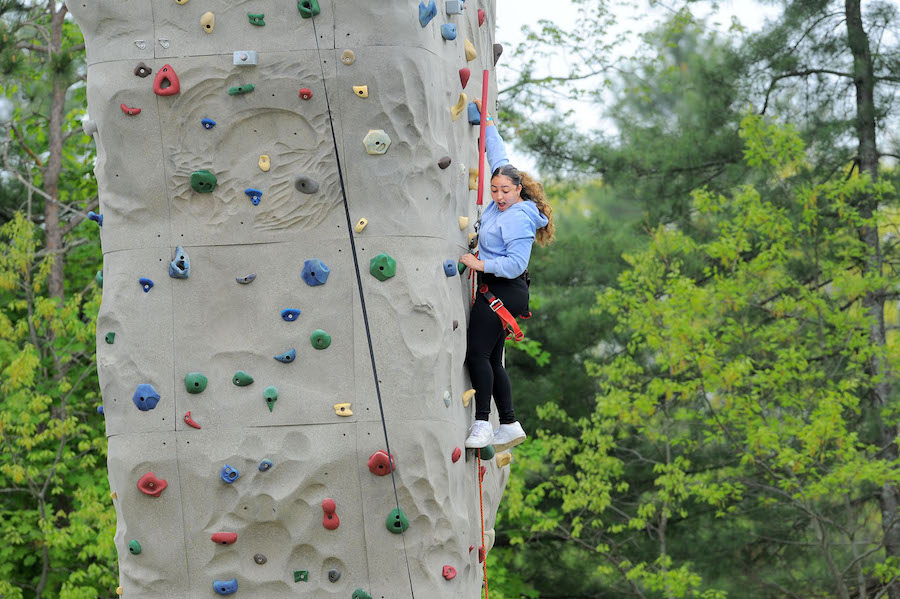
504 192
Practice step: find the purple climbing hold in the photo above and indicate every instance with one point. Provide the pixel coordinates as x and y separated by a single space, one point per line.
255 195
427 12
146 283
97 218
246 280
315 273
290 314
444 162
145 397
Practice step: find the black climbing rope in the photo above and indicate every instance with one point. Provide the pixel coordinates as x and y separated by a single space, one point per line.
362 296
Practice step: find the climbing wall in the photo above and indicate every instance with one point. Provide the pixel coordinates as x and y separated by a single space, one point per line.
284 191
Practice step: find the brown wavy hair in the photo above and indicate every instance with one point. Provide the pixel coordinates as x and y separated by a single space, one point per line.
532 191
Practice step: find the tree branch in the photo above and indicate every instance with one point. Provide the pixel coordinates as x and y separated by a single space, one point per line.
24 145
803 73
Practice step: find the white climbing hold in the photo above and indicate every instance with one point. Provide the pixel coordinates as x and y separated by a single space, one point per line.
463 222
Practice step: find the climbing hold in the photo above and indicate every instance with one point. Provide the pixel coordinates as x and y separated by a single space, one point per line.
455 324
290 314
457 110
166 82
396 521
142 70
152 486
305 184
383 267
427 12
194 382
448 572
457 452
241 378
315 273
113 495
145 397
224 538
180 266
229 474
97 218
308 8
305 93
343 409
360 225
146 283
134 547
464 74
471 54
348 57
225 587
246 280
359 593
264 163
330 519
265 465
490 535
257 19
301 575
270 394
288 356
481 472
203 181
208 20
461 267
377 142
486 453
455 7
140 44
450 268
207 123
448 31
243 58
474 114
447 397
503 459
237 90
473 179
444 162
100 410
99 278
110 337
181 1
119 590
130 111
467 397
463 222
190 421
472 239
380 464
260 559
481 17
481 553
498 50
255 195
361 90
320 339
334 575
164 42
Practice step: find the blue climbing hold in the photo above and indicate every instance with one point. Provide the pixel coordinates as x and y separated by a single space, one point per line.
145 397
265 465
427 12
290 314
315 273
97 218
146 283
207 123
180 267
229 474
255 195
100 410
448 31
450 268
246 280
474 114
225 587
287 357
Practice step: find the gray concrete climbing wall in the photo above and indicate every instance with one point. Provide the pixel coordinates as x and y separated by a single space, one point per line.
156 70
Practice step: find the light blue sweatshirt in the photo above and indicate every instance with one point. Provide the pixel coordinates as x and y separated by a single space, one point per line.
505 238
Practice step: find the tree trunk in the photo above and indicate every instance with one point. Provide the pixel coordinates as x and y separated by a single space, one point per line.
54 162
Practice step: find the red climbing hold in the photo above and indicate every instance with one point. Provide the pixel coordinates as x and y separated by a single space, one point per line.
305 93
166 82
464 74
224 538
380 464
449 572
480 17
190 421
130 111
152 486
330 520
481 473
456 454
481 554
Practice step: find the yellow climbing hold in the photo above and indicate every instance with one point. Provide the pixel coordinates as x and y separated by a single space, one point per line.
467 397
347 57
471 54
181 1
361 90
343 409
360 225
471 238
208 20
113 495
264 163
503 459
119 590
463 222
457 110
473 179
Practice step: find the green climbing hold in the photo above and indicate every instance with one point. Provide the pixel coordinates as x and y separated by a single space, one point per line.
110 337
271 396
257 19
301 575
383 267
241 378
397 522
308 8
361 594
203 181
487 453
99 278
134 547
320 339
241 89
195 382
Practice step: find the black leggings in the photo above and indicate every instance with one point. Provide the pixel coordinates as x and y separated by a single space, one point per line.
484 350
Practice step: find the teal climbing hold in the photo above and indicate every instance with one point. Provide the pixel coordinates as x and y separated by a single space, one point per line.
361 594
301 575
308 8
99 278
241 378
194 382
134 547
271 396
237 90
203 181
427 12
110 337
487 453
320 339
383 267
288 356
258 19
396 521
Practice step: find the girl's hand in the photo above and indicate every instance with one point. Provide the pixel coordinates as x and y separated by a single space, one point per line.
487 116
472 262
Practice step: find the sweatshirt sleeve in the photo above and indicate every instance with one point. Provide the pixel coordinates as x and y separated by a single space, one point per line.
518 238
495 148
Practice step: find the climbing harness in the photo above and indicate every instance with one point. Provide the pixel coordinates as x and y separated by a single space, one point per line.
509 322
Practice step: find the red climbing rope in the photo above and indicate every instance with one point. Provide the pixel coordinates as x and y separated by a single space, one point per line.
481 551
484 101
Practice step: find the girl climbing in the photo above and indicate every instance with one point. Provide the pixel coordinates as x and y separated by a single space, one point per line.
517 216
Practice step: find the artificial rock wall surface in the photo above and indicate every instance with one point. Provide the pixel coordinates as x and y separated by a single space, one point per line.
301 129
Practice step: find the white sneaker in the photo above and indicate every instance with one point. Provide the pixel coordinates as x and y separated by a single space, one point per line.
508 435
480 436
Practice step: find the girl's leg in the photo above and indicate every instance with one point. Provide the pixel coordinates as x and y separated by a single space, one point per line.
502 387
482 337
